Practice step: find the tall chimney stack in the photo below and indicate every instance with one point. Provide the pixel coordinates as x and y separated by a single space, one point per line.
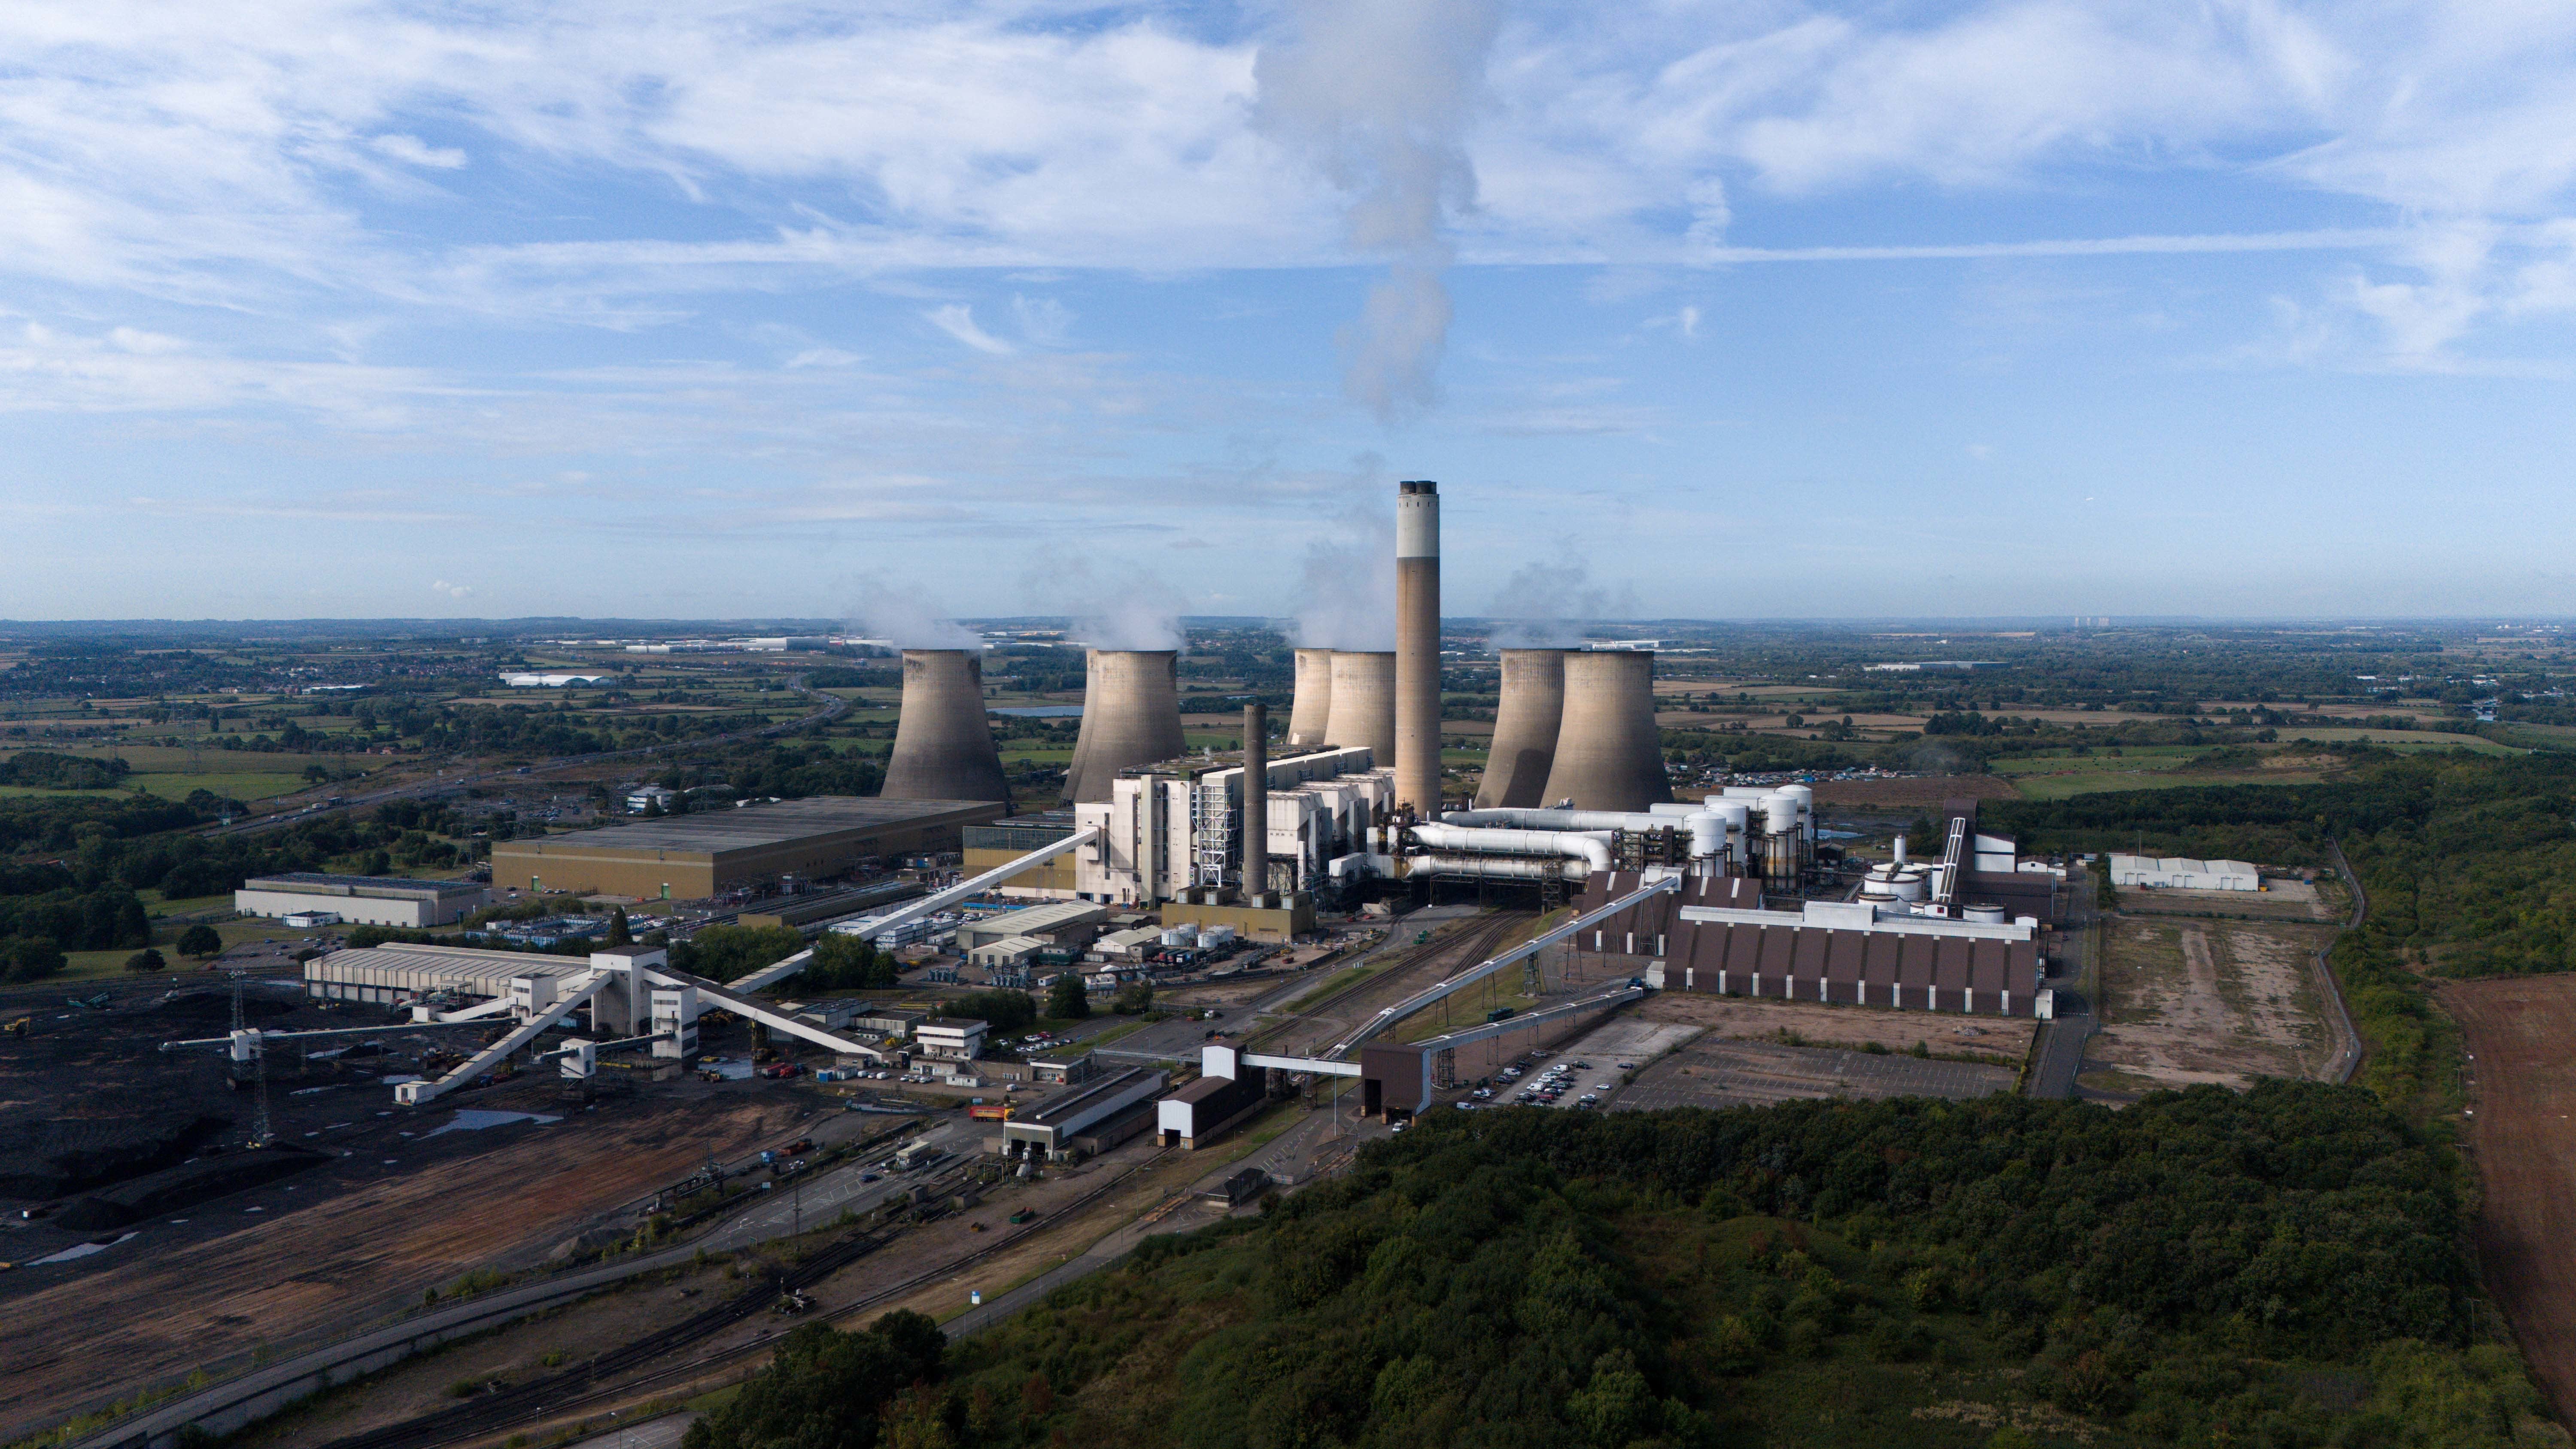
1256 805
943 744
1417 647
1313 710
1131 715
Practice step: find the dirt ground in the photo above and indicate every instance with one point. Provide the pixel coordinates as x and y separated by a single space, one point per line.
2521 1038
1821 1024
324 1258
2186 1002
2288 900
1928 790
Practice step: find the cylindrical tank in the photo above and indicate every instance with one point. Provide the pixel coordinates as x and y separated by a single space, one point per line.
1806 798
943 744
1708 834
1256 803
1737 819
1984 915
1416 755
1608 756
1131 715
1364 703
1780 813
1526 722
1313 710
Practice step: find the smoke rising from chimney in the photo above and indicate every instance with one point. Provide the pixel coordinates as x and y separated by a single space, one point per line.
902 614
1544 605
1345 596
1117 606
1377 94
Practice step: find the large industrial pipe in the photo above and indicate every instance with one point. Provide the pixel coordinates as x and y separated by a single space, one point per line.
1608 755
1131 715
943 744
1630 820
1593 848
1364 703
1256 805
1496 867
1526 721
1312 712
1417 648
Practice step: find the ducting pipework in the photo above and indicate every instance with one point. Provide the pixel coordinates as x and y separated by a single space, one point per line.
1592 848
1417 648
1496 867
943 743
1131 715
1312 712
1526 721
1364 703
1637 821
1608 754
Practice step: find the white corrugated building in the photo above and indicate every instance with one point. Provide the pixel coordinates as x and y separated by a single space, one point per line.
362 900
2174 872
1006 953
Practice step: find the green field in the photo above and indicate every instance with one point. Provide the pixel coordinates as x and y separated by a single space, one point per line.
2411 741
2145 767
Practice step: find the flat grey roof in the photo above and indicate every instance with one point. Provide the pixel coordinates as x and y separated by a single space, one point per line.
1070 1104
750 827
359 885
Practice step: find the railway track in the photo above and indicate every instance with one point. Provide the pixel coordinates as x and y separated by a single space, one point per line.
580 1388
1479 942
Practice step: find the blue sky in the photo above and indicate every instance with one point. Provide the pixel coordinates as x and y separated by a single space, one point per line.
717 309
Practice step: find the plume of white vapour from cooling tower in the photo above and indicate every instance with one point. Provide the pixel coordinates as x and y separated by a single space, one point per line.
902 614
1544 605
1113 605
1378 95
1346 584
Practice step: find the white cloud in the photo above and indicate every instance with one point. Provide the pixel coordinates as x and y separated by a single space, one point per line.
416 151
958 321
453 591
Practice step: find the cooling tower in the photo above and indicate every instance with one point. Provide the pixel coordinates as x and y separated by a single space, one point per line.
1256 804
1131 715
1417 648
1525 727
1608 756
943 745
1363 703
1312 713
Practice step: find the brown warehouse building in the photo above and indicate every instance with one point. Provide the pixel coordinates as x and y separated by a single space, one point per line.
691 857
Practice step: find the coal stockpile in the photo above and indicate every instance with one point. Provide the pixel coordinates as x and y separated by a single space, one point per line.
215 1008
68 1155
184 1186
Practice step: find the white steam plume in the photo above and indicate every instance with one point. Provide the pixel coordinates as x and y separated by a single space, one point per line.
1378 95
1119 606
1544 606
901 613
1346 586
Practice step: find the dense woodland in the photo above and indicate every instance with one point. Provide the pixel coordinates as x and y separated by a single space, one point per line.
2278 1269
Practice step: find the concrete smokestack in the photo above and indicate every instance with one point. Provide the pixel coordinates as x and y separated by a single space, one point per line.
1608 756
1525 729
1417 648
1363 703
1312 714
943 744
1131 715
1256 804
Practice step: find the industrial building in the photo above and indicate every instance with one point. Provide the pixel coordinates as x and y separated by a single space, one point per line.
943 742
1174 830
2176 873
1057 923
986 847
362 900
1085 1119
1226 1092
391 975
1722 935
950 1038
692 857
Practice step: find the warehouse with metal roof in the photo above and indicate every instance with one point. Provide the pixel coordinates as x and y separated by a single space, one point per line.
692 857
